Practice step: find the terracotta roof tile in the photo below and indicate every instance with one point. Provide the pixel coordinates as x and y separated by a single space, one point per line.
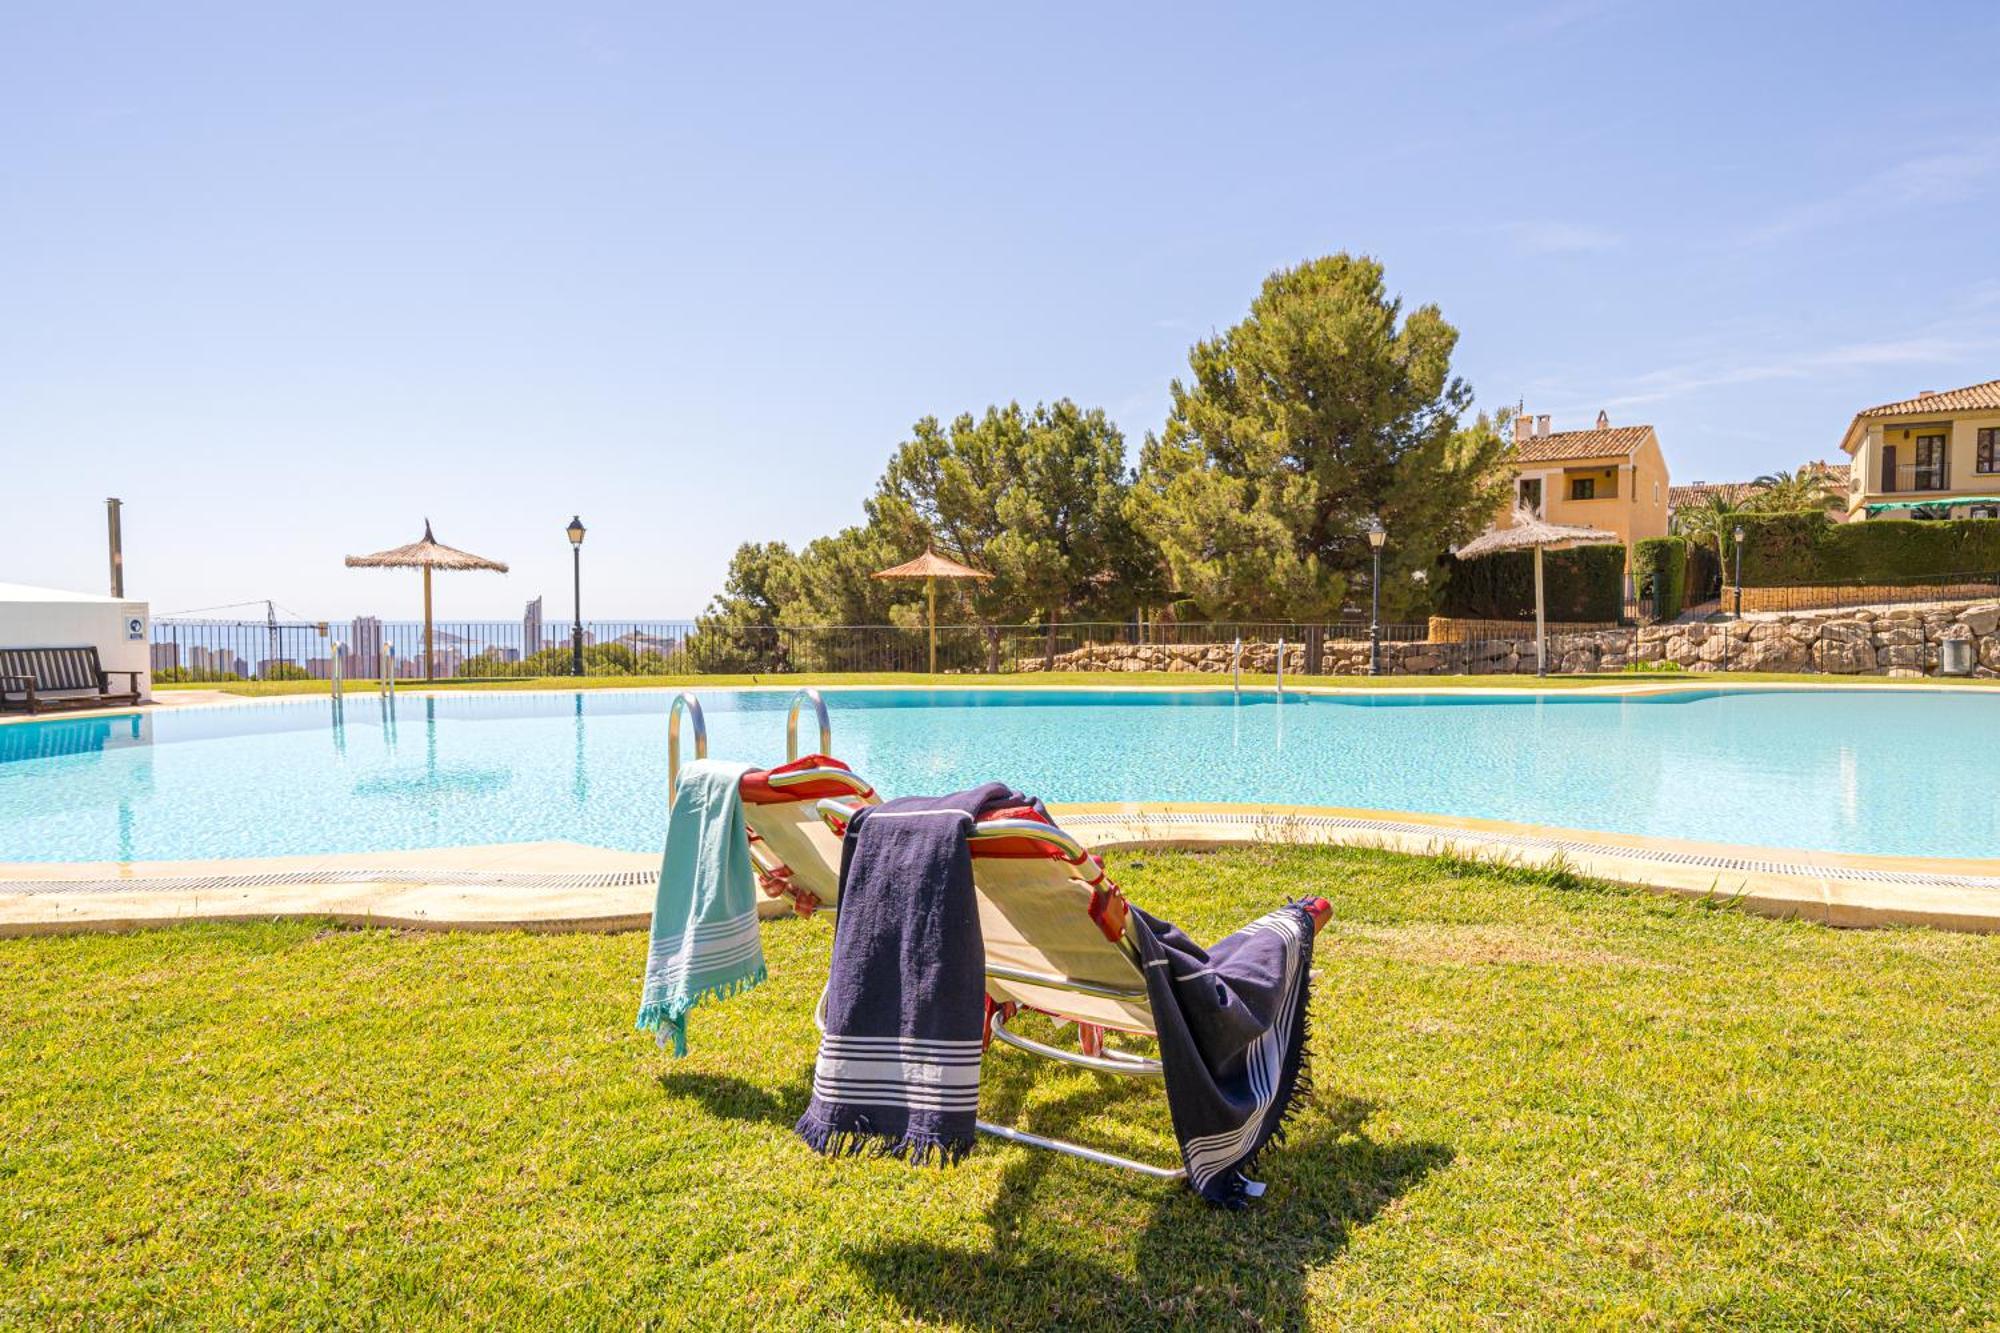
1566 444
1971 398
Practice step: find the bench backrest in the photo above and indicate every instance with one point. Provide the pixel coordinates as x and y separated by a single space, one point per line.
54 668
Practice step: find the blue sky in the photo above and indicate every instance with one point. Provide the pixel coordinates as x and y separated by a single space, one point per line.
290 278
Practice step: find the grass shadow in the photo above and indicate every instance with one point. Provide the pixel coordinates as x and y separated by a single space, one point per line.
740 1099
1191 1265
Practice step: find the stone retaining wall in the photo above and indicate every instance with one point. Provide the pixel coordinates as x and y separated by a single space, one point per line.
1901 641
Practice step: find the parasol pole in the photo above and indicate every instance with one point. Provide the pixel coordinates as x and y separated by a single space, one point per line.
430 663
930 591
1541 630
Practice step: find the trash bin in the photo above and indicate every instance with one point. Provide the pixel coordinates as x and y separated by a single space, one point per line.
1955 657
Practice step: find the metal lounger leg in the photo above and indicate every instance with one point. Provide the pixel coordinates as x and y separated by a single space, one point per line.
1110 1062
1078 1150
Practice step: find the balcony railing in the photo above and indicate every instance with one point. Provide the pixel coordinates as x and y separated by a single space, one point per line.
1916 477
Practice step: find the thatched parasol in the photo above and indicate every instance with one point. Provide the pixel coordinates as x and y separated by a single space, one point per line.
1531 532
426 555
930 567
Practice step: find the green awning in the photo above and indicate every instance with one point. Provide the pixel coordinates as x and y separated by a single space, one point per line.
1948 501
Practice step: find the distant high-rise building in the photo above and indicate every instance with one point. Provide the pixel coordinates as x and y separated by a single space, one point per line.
531 628
364 647
166 656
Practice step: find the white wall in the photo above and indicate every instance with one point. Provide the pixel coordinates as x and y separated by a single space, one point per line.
39 618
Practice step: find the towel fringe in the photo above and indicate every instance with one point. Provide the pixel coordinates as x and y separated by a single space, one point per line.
915 1147
667 1019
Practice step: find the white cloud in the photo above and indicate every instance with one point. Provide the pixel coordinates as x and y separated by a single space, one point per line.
1919 350
1918 182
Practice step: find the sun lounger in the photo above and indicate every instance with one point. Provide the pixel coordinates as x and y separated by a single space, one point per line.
1054 929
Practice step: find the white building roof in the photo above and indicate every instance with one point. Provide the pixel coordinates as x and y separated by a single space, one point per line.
24 592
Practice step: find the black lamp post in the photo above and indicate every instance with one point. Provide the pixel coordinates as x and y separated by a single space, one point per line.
1377 535
576 630
1739 571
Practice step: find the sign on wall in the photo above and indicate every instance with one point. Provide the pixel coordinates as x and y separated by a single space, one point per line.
135 629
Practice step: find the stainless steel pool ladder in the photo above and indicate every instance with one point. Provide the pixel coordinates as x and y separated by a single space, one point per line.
335 669
388 685
1281 668
792 724
1236 666
683 703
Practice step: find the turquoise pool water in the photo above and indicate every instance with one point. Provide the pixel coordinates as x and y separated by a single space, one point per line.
1852 771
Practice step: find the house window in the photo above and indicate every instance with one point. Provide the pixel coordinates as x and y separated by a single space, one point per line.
1983 511
1583 488
1989 450
1528 495
1930 463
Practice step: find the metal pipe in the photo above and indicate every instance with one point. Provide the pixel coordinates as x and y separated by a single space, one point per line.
1236 666
1281 666
1129 1067
692 706
335 669
116 532
792 724
1077 1150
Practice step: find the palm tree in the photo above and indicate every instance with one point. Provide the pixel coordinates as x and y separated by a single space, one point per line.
1710 522
1807 487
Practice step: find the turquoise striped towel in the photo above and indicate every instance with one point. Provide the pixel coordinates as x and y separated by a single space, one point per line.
705 943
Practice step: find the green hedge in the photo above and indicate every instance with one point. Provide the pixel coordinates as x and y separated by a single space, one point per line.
1660 567
1781 550
1585 584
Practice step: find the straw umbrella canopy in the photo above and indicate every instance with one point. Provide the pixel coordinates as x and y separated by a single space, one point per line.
1531 532
427 555
930 567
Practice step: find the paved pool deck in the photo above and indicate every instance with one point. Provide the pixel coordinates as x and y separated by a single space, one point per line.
570 886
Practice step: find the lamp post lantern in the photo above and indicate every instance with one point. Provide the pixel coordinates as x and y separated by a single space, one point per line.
1739 570
576 592
1377 535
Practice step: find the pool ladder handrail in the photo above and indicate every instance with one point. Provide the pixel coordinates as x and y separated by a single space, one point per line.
1236 666
388 681
812 697
1281 668
685 702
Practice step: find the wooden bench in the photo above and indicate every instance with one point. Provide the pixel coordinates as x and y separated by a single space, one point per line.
38 673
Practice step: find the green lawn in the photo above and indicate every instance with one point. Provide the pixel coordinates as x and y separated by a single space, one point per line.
1099 679
1536 1101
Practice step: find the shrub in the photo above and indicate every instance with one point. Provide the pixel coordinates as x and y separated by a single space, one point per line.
1585 584
286 671
1808 548
1659 565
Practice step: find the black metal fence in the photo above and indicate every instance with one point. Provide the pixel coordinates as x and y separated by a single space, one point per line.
1854 594
1897 638
224 650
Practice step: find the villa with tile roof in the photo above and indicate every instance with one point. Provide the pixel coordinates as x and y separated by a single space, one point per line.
1609 477
1934 455
1738 493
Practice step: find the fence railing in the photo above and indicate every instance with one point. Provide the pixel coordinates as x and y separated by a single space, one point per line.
1908 639
1915 590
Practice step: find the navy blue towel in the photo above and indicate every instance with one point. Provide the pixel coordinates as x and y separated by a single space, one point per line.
1232 1028
898 1067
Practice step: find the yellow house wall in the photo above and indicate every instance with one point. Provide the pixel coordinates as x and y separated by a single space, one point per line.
1962 476
1635 508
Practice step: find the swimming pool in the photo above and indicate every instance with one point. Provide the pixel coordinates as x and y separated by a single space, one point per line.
1850 771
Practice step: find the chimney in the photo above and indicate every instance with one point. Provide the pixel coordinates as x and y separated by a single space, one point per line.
1603 420
1524 428
1542 424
